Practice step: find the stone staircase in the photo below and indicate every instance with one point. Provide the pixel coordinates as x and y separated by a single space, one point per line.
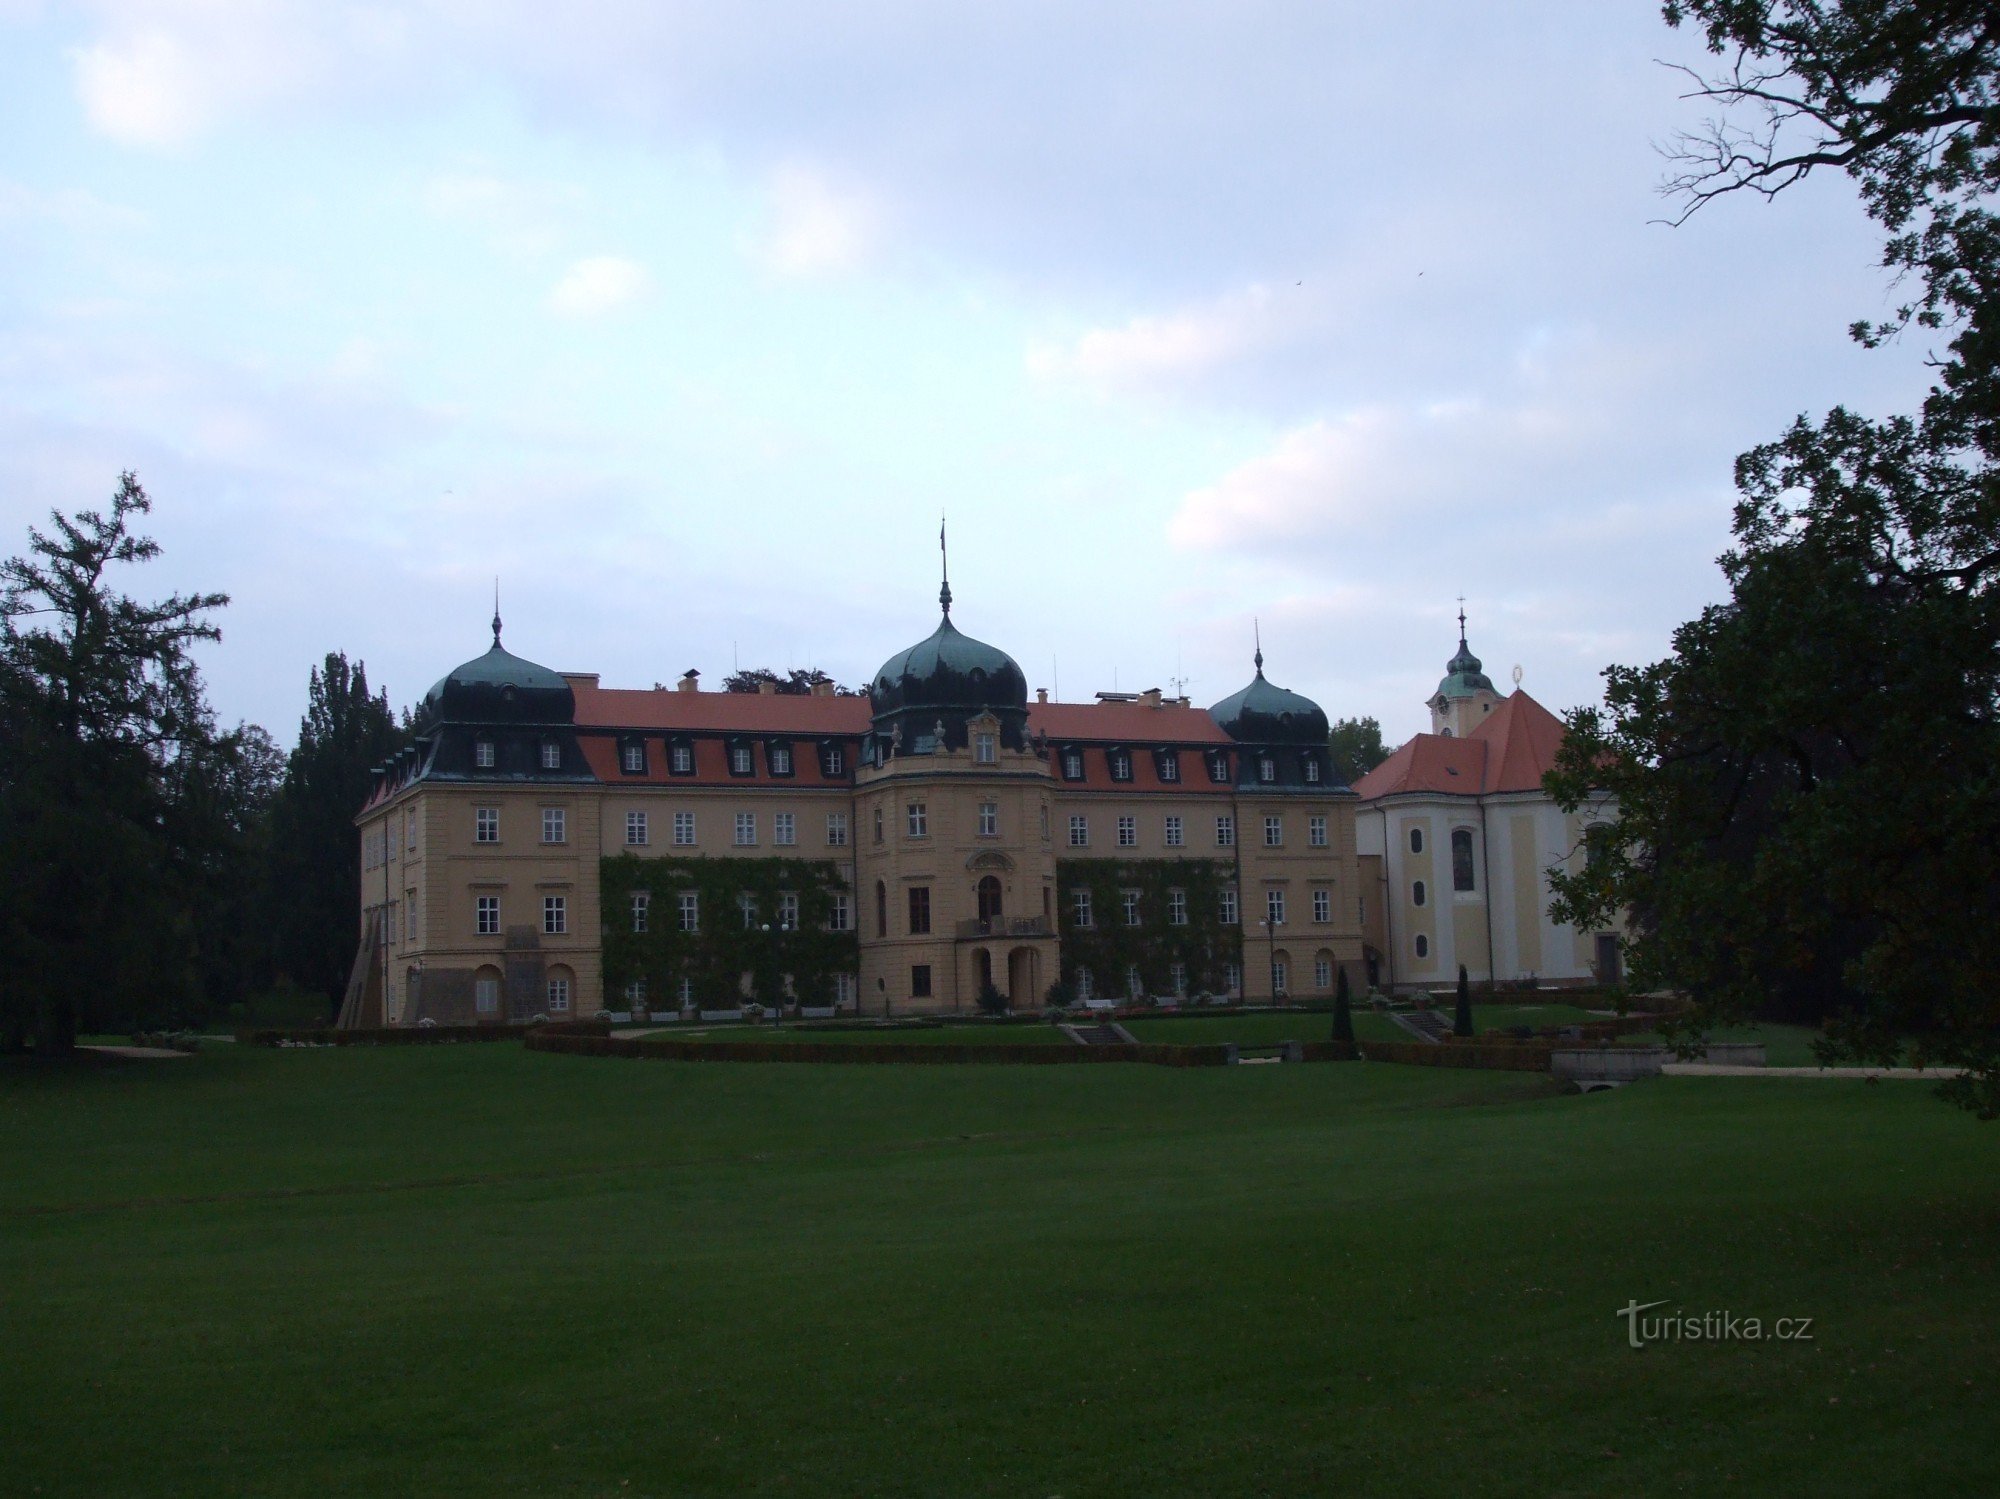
1100 1033
1425 1025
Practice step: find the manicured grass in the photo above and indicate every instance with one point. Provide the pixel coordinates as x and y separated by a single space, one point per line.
1784 1045
477 1270
954 1035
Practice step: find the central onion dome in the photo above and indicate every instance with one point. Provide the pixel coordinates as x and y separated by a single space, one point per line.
948 670
1266 714
498 687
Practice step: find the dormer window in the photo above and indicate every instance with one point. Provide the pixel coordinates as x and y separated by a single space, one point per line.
832 760
1267 768
1169 764
632 757
740 761
1121 764
482 753
680 758
551 755
1312 770
779 758
1218 767
1072 764
985 748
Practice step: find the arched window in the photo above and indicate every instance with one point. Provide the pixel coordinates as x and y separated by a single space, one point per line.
1418 895
1416 840
1461 859
881 909
989 898
1423 945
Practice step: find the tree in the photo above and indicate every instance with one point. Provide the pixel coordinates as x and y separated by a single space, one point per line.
314 871
1461 1019
1343 1011
1355 747
1809 806
106 841
794 683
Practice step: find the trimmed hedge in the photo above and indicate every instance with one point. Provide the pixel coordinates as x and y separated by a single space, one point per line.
398 1035
1515 1056
571 1043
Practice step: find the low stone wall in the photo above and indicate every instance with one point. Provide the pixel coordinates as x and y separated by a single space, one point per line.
1619 1064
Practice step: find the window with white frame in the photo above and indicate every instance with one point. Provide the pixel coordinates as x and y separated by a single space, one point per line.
1322 905
635 994
635 828
746 906
1322 973
1311 768
1274 832
779 757
684 829
1232 977
1079 908
1177 977
642 906
689 902
985 749
1280 976
1177 914
551 755
1121 765
989 819
784 829
486 915
1218 767
878 824
555 825
1170 765
1226 899
1225 831
1267 768
1128 832
835 761
482 753
633 758
1316 830
680 759
840 916
836 830
1174 837
486 825
746 829
485 995
685 993
1274 907
1134 984
788 911
410 829
558 995
1072 763
740 762
555 915
1128 906
1079 831
1083 989
917 820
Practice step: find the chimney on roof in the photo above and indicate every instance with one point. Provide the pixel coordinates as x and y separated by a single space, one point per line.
690 681
823 687
1150 697
1041 694
767 688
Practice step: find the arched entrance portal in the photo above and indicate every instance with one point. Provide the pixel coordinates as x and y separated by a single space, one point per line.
1024 986
989 898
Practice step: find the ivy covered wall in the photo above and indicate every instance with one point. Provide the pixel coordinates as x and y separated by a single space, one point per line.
724 947
1108 946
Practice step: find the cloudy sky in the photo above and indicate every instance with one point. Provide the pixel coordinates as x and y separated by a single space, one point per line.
687 321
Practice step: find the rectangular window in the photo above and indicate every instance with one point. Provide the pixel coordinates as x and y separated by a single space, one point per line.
1274 907
486 825
1225 832
1322 973
1177 908
1461 857
746 907
878 824
1274 832
1079 831
1267 768
1079 908
551 755
1280 976
1177 977
633 759
1170 765
1218 768
841 916
843 988
1312 773
836 761
482 753
680 759
685 993
690 910
989 819
486 915
1232 976
917 819
779 758
1121 765
740 763
784 829
409 916
985 749
555 915
558 995
555 825
836 830
1128 832
684 829
635 828
1128 906
641 909
1045 822
1083 988
1316 830
1227 902
1174 836
486 995
1322 905
635 995
920 981
920 910
1072 763
746 829
410 827
1135 985
788 911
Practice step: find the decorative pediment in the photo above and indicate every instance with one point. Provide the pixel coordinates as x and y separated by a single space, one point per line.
990 860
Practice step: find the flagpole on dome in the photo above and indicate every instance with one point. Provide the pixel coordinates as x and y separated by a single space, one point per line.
944 562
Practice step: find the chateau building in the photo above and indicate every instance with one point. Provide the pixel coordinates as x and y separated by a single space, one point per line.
1457 837
549 845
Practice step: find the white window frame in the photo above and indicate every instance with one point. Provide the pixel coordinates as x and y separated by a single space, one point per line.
985 749
1230 913
784 830
779 757
485 824
680 759
1177 908
1316 830
1128 907
1274 832
684 833
741 761
746 830
558 994
1128 832
841 916
836 830
688 910
1225 831
917 819
989 819
485 996
1079 830
551 755
555 825
1322 973
482 754
1322 905
632 759
788 911
555 915
637 830
1081 916
642 904
1174 835
486 915
1274 907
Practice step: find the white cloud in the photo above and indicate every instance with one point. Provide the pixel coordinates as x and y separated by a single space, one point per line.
598 284
816 228
1165 348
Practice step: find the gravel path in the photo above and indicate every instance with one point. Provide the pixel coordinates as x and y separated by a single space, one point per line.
1722 1069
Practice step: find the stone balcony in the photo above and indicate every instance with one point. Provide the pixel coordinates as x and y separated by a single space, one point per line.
1005 926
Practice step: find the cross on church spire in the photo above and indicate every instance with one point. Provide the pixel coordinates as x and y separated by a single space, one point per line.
1461 619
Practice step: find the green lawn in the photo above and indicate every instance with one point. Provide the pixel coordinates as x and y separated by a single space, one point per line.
476 1270
955 1035
1784 1045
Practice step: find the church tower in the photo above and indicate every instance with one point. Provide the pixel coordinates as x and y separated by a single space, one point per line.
1466 695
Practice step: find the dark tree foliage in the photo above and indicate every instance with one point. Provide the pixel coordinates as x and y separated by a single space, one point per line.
1343 1009
1809 787
314 873
794 683
1355 746
1461 1019
120 806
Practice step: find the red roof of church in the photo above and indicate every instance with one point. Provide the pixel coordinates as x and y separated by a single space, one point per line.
1510 751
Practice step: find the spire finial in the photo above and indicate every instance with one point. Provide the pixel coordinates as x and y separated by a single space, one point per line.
1461 619
944 563
1257 634
496 614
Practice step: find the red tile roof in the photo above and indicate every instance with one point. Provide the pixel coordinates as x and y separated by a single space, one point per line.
1125 723
1510 751
717 712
